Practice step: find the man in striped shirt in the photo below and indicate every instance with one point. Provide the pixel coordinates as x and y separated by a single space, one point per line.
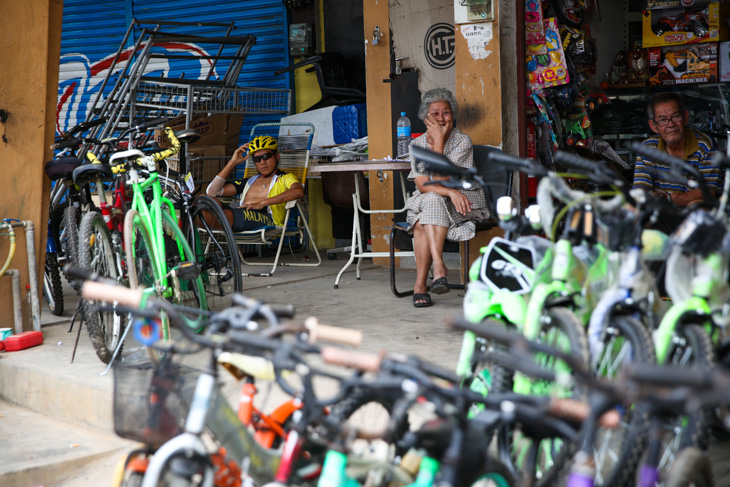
668 117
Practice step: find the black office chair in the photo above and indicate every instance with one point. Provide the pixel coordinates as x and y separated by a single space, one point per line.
499 182
334 78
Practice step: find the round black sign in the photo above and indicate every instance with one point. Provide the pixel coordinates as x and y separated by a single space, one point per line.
439 46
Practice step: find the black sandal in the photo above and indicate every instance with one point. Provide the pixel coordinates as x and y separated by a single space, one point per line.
425 297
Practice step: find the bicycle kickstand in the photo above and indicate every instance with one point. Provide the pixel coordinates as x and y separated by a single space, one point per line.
79 308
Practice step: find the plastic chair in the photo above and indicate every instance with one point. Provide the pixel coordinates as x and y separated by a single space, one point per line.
294 159
500 184
333 77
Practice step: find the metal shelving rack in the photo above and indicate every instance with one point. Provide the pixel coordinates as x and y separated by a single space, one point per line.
137 97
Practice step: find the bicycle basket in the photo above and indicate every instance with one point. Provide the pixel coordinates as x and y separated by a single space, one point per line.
151 404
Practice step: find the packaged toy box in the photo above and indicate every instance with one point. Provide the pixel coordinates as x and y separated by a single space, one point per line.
681 65
668 27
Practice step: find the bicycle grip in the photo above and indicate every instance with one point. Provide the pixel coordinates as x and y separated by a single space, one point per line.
318 332
98 291
656 155
87 125
492 332
286 311
62 144
578 411
366 362
669 376
576 162
147 125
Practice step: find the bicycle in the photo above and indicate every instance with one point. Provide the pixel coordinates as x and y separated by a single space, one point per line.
158 255
660 391
180 450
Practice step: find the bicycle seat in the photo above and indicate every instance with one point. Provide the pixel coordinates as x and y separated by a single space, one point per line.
187 136
62 168
83 175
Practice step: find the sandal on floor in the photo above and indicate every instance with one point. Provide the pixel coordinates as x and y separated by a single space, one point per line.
440 286
425 297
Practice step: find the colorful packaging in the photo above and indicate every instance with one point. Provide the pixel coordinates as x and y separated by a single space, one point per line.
550 69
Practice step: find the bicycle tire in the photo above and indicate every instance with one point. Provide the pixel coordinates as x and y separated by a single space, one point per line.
97 255
631 434
692 349
215 251
692 467
52 284
70 235
563 330
141 269
190 293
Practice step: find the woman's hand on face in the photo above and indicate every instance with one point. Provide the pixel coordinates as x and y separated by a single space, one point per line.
435 130
461 202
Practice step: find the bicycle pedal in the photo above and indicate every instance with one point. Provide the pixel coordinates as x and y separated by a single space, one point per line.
187 271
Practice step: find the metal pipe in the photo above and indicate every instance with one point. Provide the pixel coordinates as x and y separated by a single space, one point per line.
35 306
17 309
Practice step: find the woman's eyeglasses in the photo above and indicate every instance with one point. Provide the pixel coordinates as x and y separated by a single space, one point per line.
263 157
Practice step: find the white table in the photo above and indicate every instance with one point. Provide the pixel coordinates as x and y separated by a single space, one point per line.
356 250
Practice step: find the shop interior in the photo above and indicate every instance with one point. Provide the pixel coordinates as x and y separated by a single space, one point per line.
594 64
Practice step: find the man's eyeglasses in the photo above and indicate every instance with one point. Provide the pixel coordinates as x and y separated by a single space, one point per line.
263 157
676 118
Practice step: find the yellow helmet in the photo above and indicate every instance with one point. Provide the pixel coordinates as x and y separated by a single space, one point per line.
262 142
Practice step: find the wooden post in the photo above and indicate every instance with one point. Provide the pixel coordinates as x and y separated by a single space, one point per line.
380 129
30 56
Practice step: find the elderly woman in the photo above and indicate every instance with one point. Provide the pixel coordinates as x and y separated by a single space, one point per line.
436 213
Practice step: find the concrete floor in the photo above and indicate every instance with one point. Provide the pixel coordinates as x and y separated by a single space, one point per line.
56 425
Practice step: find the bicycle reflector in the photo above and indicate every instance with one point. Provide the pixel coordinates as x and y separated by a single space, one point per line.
508 265
146 331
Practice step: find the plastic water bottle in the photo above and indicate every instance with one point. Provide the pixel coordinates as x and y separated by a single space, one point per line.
403 132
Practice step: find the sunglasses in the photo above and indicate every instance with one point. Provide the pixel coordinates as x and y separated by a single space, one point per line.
263 157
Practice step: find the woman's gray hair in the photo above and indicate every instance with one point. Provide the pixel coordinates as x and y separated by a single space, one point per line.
438 94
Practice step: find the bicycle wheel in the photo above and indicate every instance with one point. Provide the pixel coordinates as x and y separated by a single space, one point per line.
70 235
561 329
691 468
52 285
691 348
617 451
97 254
188 290
141 269
215 250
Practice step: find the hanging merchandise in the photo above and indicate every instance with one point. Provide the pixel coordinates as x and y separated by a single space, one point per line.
551 69
568 12
534 27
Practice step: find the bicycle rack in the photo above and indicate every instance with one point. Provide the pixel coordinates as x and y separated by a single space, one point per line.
136 96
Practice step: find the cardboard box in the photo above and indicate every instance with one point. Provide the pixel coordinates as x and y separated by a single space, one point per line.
686 26
204 162
682 65
222 129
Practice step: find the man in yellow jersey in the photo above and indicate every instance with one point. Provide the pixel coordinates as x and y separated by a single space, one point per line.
263 196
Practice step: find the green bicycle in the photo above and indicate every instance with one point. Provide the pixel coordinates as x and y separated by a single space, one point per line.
157 253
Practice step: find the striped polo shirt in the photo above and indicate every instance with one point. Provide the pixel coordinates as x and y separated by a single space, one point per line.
698 151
